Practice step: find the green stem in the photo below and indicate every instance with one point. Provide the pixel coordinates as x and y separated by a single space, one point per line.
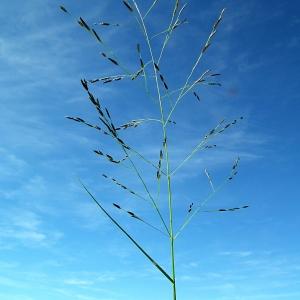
166 151
172 239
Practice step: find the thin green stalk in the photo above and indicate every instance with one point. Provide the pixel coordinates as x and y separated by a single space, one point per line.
171 219
166 155
150 8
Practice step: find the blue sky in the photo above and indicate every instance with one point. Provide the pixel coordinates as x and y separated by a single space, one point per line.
55 244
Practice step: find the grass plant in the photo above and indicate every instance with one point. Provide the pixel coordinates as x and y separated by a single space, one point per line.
151 75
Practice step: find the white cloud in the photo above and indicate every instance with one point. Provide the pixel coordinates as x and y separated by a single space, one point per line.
236 253
25 227
78 282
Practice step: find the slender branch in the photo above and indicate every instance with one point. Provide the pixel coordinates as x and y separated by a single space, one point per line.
146 189
192 215
150 8
197 61
199 147
170 28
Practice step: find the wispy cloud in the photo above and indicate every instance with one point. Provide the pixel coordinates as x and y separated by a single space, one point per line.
236 253
26 228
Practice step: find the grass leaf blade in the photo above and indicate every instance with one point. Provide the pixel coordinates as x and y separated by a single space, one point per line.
127 234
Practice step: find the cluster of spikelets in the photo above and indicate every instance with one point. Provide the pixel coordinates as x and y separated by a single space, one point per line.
109 128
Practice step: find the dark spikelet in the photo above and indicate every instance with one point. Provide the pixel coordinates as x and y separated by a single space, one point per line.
84 84
114 128
98 152
117 206
138 48
190 207
71 118
96 36
107 112
109 157
163 81
219 20
113 61
137 74
107 81
165 141
131 214
103 54
212 132
133 123
120 141
232 209
178 23
63 9
86 123
80 120
205 47
215 83
120 185
241 118
158 175
200 80
128 6
105 176
197 96
142 63
215 74
100 113
106 24
210 146
156 66
94 80
92 98
84 24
